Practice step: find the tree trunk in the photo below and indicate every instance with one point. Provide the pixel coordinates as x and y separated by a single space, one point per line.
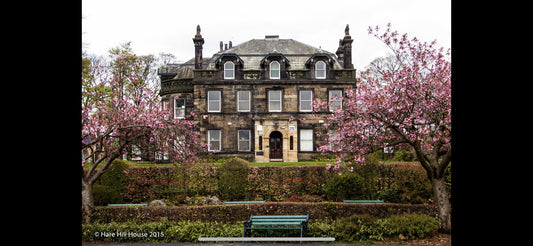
443 204
87 204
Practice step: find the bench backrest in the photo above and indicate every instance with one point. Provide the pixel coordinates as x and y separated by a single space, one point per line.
243 202
363 201
279 218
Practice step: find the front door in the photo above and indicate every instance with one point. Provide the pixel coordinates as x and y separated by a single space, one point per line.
276 145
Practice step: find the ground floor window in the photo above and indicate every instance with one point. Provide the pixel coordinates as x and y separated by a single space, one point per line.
244 140
306 140
213 138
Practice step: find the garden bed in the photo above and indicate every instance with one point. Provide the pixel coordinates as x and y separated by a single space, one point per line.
233 213
364 228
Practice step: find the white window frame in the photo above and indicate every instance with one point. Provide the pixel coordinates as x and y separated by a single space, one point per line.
239 140
339 99
270 101
279 70
316 70
210 100
302 101
176 116
232 70
136 153
209 141
243 100
306 140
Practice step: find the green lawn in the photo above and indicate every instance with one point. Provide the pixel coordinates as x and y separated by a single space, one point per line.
260 164
253 164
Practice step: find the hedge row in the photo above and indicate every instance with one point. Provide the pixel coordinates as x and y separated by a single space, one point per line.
234 213
398 183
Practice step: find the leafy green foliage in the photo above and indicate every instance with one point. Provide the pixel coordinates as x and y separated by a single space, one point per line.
233 179
361 228
358 228
109 188
346 186
163 231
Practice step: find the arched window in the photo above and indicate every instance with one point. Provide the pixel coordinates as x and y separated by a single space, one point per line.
229 70
320 70
274 70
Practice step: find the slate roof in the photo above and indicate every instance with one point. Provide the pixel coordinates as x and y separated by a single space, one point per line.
253 51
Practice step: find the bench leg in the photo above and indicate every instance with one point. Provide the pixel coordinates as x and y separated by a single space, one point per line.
244 225
304 230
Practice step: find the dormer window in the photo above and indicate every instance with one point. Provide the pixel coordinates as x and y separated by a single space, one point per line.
229 70
319 64
274 70
320 70
229 66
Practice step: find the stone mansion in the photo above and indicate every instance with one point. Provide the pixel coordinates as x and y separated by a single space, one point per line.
253 100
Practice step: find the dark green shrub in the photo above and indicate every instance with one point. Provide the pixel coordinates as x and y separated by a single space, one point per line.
110 186
163 231
349 185
103 195
233 179
360 228
403 155
403 183
412 225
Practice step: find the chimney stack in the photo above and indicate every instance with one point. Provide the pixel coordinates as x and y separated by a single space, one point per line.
198 46
347 48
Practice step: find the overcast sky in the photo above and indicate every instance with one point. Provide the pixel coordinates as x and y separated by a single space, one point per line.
155 26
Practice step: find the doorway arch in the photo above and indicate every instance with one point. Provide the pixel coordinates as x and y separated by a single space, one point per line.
276 145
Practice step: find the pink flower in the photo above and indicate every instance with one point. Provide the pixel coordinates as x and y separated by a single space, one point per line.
328 166
126 171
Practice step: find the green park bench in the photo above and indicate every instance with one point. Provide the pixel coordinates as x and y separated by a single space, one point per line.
243 202
277 222
128 205
363 201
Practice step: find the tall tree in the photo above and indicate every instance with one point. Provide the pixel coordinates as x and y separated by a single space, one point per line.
406 103
118 110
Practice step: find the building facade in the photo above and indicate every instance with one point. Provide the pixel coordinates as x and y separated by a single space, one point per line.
253 100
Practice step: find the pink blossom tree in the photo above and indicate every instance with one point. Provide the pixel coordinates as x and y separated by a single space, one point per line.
406 104
119 110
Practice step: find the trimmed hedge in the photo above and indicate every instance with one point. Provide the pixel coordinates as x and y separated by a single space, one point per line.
235 213
397 183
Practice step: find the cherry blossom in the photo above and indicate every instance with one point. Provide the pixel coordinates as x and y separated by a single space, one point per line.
118 111
406 106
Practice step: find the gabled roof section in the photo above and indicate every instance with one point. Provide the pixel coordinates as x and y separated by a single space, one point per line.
265 46
330 60
253 52
285 60
219 59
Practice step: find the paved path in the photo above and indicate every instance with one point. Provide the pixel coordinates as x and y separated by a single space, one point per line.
231 244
